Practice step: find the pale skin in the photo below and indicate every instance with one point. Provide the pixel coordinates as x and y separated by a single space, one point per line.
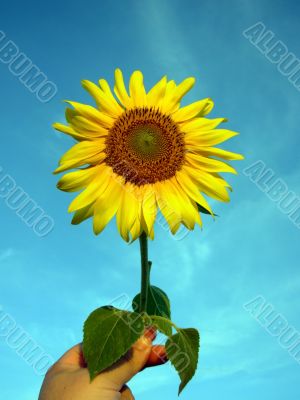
68 378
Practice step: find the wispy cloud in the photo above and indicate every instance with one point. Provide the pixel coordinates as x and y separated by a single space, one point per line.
6 254
167 40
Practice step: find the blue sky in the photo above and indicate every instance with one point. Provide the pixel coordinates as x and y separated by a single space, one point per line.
50 284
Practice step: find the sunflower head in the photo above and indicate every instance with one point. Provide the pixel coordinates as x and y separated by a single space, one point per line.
139 152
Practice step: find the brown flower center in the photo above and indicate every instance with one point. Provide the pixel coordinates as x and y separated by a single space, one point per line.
145 146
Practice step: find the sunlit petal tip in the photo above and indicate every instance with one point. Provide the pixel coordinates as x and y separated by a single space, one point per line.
125 236
74 206
56 125
137 74
233 171
85 82
96 230
185 86
207 108
58 170
151 233
103 82
72 103
190 81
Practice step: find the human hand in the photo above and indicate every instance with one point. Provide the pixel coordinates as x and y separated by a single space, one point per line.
68 378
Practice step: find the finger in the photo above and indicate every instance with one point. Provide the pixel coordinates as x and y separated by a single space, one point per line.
72 358
157 356
150 333
126 393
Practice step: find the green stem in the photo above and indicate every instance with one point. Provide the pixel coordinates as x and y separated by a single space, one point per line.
145 276
157 317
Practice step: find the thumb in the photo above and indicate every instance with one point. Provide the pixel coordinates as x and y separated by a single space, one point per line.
129 365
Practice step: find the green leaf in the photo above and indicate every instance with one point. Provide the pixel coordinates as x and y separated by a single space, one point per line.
108 334
164 325
158 303
183 351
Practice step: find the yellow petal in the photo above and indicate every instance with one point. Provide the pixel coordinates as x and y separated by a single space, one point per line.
164 104
149 207
190 111
95 159
82 153
103 100
189 211
142 223
94 190
208 184
192 189
168 205
68 130
106 89
221 180
137 89
96 118
157 92
86 127
201 124
128 211
207 109
77 180
120 89
82 124
216 152
194 140
151 234
173 98
208 164
137 228
83 214
83 150
93 90
107 205
183 88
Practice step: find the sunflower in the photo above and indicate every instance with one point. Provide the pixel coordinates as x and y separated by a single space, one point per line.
139 153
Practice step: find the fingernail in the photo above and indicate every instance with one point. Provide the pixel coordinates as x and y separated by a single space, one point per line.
143 343
150 333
